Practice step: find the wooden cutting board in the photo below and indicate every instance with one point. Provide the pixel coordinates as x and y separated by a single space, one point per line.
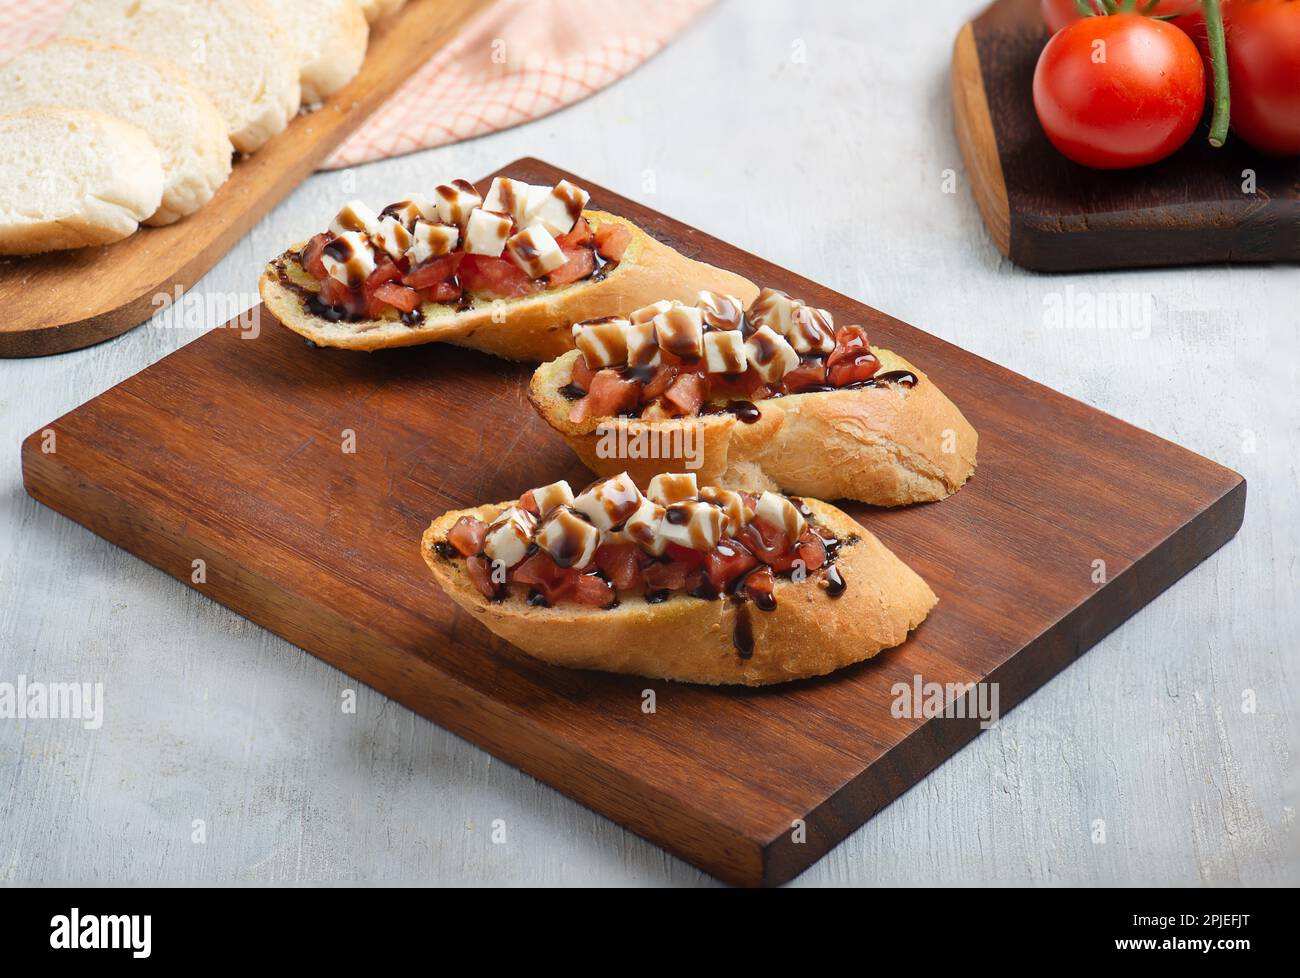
72 299
1049 214
230 451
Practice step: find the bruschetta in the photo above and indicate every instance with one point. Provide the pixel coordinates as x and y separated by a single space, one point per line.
762 396
689 583
505 272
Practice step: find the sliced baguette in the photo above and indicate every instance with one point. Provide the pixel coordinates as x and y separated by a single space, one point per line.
71 178
332 36
375 9
692 640
886 446
534 328
148 92
237 51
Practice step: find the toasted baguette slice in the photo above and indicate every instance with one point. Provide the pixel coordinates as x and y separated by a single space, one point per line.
693 640
887 446
332 35
235 50
71 178
533 328
148 92
374 9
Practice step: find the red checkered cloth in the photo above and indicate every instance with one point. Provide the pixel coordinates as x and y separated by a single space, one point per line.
517 61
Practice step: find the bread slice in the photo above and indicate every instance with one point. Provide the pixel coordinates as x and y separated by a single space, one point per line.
332 36
71 178
374 9
148 92
237 51
533 328
888 446
693 640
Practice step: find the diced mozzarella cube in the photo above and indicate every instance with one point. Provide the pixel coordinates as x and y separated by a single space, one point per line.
647 313
812 330
769 355
672 487
559 207
432 241
556 494
412 209
507 196
776 510
349 258
535 251
720 311
355 216
393 237
507 539
695 524
724 352
642 528
732 504
455 202
609 503
486 233
642 345
603 342
680 331
568 538
772 308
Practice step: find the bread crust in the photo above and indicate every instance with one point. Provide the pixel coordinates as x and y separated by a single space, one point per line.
887 446
690 639
535 328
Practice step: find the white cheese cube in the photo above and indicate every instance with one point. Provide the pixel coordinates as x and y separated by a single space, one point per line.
770 356
608 504
724 352
355 216
393 237
695 524
647 313
432 241
812 330
672 487
680 331
603 342
720 311
412 209
507 539
455 202
642 528
642 345
556 494
349 259
734 511
568 538
773 308
776 510
486 233
535 251
559 207
507 196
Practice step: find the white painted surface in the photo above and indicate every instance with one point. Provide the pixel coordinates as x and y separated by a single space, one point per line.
834 168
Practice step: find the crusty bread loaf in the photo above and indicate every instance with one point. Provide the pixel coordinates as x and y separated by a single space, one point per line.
692 640
374 9
148 92
332 36
534 328
237 51
888 446
71 178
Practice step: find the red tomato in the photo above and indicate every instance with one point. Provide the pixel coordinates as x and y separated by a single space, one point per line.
612 241
467 536
1119 91
399 297
580 234
312 252
496 276
619 562
434 272
581 263
1058 14
1264 66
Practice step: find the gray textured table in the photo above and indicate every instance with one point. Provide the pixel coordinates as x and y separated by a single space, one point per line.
815 134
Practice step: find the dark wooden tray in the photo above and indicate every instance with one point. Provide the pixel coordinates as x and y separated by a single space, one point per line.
1049 214
229 451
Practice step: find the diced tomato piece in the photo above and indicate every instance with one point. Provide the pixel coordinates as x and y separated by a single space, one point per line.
579 236
811 550
609 396
444 292
386 271
480 572
400 297
467 536
687 393
594 591
619 563
660 381
434 272
498 277
728 561
861 367
540 568
809 373
660 576
743 386
850 343
759 586
529 502
311 255
335 293
688 558
612 241
698 583
582 374
581 263
769 543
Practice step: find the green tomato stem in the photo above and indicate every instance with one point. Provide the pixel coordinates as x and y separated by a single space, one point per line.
1219 62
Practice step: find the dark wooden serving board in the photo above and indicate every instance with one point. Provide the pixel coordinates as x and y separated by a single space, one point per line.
1049 214
67 300
230 451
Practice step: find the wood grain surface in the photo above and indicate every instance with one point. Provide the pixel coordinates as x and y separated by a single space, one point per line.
66 300
231 451
1049 214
